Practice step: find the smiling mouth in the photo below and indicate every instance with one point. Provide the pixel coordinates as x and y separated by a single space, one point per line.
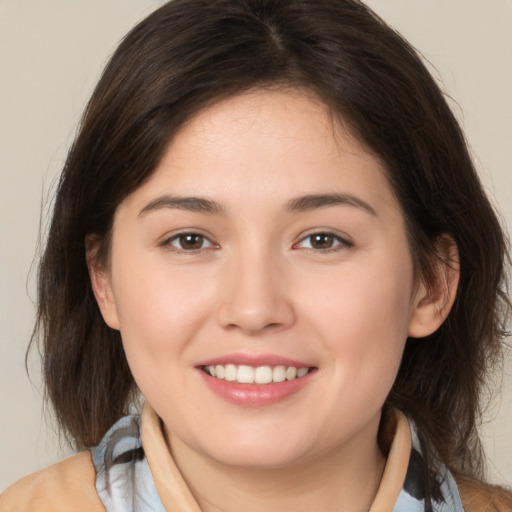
243 374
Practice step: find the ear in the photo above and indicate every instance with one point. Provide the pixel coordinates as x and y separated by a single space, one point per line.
433 301
101 283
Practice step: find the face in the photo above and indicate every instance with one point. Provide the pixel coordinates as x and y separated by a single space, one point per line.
262 283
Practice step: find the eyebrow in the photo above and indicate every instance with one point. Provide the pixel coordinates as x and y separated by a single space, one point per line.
191 204
298 204
315 201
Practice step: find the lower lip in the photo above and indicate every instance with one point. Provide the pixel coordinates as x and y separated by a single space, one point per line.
255 395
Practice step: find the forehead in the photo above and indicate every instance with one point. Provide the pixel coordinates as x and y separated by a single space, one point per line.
267 144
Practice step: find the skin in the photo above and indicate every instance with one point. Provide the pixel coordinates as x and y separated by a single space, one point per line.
257 284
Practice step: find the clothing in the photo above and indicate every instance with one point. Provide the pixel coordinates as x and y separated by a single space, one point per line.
132 470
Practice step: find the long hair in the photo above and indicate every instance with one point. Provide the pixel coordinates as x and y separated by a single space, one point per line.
191 53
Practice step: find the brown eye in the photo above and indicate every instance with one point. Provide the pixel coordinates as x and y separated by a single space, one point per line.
189 242
323 241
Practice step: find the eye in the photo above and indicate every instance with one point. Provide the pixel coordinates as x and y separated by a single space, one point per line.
323 241
189 242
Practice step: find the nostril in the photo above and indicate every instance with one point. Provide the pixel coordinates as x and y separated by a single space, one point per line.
255 308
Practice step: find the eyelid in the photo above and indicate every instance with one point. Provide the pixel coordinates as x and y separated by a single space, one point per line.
166 241
344 241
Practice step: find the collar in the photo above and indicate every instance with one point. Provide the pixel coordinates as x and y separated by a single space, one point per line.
136 472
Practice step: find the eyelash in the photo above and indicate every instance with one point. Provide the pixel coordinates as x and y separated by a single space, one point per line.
337 242
181 236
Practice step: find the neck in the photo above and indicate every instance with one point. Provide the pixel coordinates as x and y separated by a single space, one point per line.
345 478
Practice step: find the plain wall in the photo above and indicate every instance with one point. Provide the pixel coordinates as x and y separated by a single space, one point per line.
51 54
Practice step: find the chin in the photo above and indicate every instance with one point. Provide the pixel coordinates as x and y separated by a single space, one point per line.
256 454
254 459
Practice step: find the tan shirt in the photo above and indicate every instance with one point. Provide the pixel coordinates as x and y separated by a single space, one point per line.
70 484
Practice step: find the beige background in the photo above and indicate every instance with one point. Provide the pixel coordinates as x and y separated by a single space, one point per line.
51 52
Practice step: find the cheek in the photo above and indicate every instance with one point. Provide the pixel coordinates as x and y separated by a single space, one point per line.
362 318
363 297
157 324
159 311
363 313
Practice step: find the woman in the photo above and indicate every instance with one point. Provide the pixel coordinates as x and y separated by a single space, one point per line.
270 228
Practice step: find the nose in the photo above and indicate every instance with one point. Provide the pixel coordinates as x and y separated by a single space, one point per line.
256 296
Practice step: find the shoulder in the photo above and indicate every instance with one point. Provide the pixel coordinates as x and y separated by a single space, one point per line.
479 497
67 485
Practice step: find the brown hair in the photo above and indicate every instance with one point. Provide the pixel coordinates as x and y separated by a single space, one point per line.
191 53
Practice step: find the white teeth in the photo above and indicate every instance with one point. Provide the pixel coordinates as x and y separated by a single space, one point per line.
219 371
230 372
291 373
244 374
302 371
263 375
279 374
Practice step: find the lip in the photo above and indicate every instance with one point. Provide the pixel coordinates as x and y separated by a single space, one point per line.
255 395
255 360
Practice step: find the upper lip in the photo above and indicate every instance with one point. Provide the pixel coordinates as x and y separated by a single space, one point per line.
255 360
